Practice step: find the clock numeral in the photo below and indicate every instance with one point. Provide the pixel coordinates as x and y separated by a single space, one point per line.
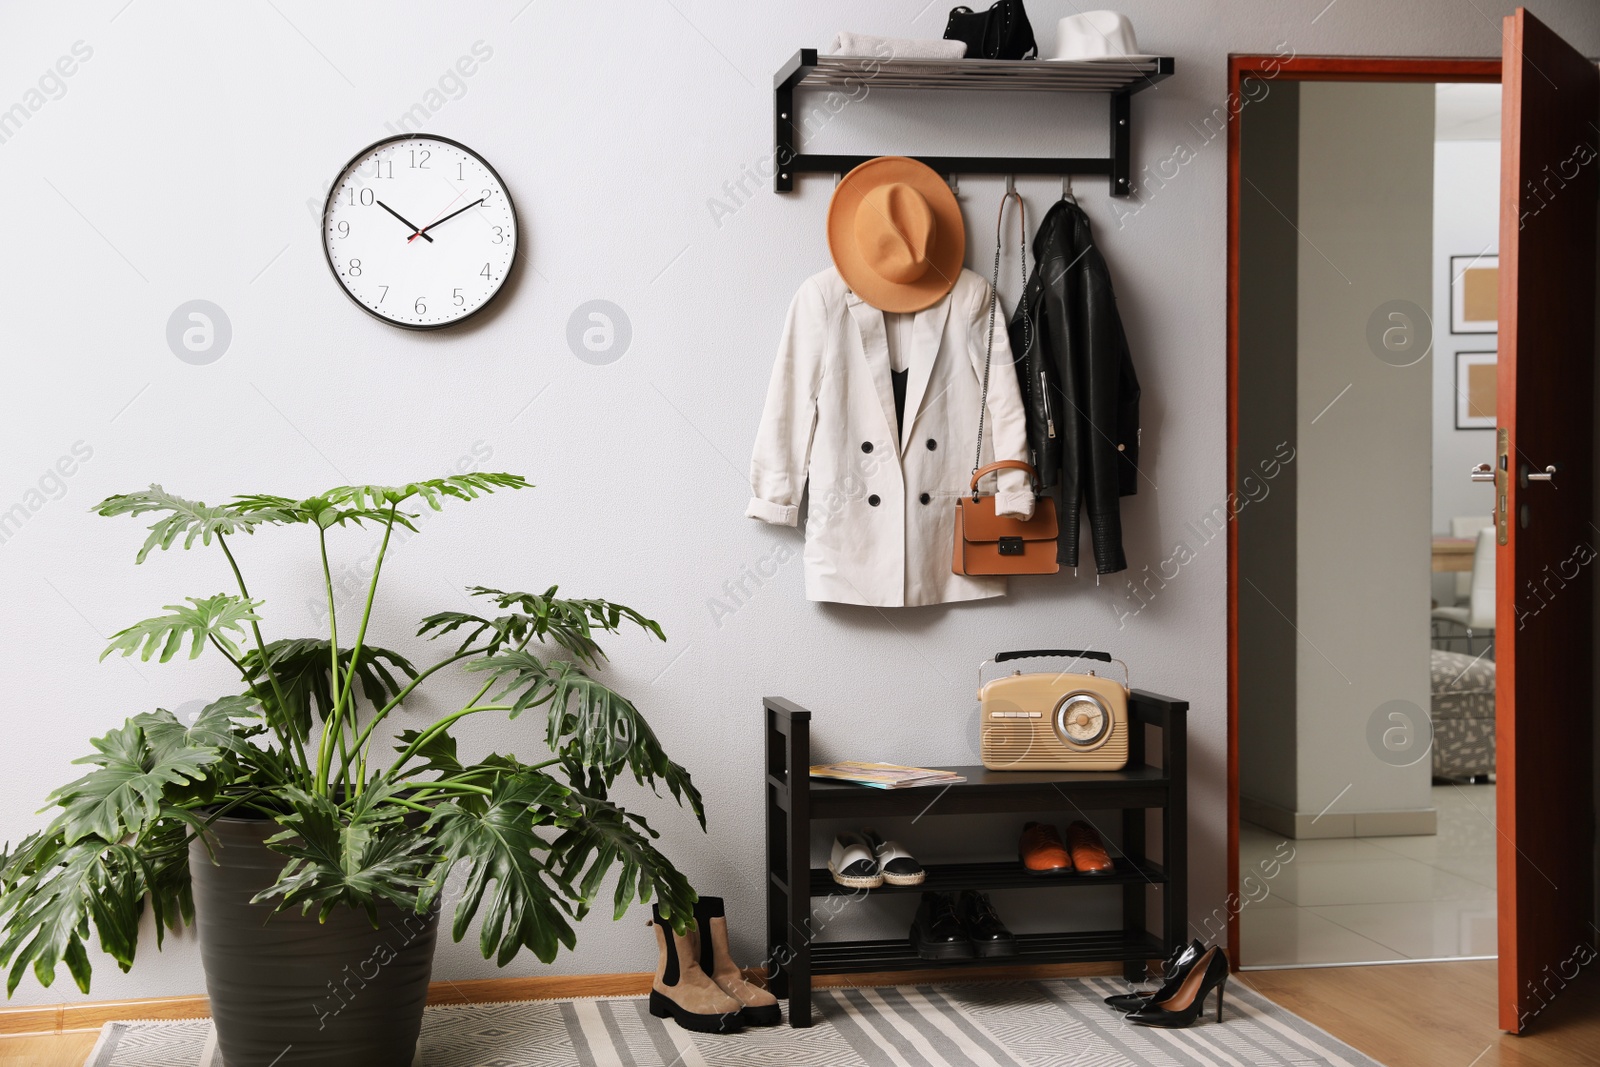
460 300
499 235
419 307
344 229
484 273
383 294
355 268
460 176
420 164
487 193
366 197
380 164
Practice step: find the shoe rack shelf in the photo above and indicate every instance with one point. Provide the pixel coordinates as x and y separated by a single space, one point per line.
794 801
859 76
954 877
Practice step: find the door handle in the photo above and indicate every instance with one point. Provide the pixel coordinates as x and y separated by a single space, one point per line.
1546 475
1483 472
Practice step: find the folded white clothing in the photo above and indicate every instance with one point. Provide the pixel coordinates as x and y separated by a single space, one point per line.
867 44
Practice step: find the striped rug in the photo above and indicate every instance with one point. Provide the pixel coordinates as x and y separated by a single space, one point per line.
999 1024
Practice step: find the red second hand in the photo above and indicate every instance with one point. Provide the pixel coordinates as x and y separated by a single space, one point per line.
436 215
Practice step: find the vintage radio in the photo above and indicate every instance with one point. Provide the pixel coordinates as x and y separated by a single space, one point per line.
1053 721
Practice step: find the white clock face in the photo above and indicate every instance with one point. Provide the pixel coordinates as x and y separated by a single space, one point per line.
420 231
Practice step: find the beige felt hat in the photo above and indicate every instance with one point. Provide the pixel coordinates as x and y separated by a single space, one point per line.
895 234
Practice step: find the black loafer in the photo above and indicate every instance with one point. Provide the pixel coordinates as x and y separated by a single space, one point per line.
983 927
936 933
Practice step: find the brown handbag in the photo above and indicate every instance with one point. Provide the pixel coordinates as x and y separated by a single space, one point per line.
987 543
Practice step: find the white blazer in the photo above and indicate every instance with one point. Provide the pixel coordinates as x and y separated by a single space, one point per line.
881 517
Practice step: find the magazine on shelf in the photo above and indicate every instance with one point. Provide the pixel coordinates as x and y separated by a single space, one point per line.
884 775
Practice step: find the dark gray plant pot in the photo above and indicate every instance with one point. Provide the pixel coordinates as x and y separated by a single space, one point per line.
292 992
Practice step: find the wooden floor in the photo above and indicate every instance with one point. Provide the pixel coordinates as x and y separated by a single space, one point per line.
48 1050
1410 1015
1437 1014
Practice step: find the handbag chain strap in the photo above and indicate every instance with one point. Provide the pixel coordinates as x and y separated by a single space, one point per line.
994 299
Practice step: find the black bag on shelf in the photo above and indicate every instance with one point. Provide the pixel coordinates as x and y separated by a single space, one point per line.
1002 32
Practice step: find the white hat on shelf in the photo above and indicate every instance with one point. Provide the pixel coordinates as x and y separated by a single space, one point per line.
1097 37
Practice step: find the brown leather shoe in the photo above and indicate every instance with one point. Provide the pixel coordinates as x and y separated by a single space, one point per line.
684 992
1042 851
759 1007
1089 854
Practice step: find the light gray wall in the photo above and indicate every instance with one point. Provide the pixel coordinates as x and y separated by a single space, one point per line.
1364 465
1269 247
185 159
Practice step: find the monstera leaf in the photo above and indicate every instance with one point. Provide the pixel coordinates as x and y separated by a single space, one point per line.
317 511
188 519
48 910
604 836
215 727
568 622
361 504
351 857
432 491
588 724
303 670
496 839
124 794
438 750
215 618
163 858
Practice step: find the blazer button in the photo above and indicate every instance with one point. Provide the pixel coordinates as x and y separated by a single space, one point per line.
925 498
866 446
932 444
873 500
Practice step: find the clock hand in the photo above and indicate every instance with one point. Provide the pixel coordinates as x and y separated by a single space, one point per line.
424 231
396 214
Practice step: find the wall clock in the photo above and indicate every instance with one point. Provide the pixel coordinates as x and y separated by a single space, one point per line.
419 231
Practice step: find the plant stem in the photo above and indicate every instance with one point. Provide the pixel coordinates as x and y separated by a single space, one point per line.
475 698
325 752
333 627
438 728
285 734
361 739
424 788
266 662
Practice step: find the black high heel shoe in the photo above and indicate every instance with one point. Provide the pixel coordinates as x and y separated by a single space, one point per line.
1184 1006
1173 972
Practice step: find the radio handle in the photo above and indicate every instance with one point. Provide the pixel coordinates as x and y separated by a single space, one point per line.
1103 657
1002 657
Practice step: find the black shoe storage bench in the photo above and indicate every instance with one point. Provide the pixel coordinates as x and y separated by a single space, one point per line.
794 800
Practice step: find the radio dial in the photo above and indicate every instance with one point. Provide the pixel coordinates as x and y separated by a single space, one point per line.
1081 720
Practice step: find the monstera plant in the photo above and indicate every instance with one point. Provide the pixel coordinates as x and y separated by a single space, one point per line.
367 813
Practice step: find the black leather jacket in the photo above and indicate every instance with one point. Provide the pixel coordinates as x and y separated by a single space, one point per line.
1078 385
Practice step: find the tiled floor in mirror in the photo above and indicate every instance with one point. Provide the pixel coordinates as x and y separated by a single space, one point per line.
1374 899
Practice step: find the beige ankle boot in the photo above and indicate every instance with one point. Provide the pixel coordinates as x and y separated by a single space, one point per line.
760 1008
685 992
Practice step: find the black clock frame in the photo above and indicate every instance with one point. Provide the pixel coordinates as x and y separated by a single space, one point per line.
516 223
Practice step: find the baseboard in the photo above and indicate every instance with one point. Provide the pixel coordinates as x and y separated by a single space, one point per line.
1303 826
92 1015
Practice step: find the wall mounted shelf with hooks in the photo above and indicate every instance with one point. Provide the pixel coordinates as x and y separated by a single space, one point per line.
1120 80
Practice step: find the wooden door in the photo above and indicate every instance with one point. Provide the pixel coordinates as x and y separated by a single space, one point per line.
1547 543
